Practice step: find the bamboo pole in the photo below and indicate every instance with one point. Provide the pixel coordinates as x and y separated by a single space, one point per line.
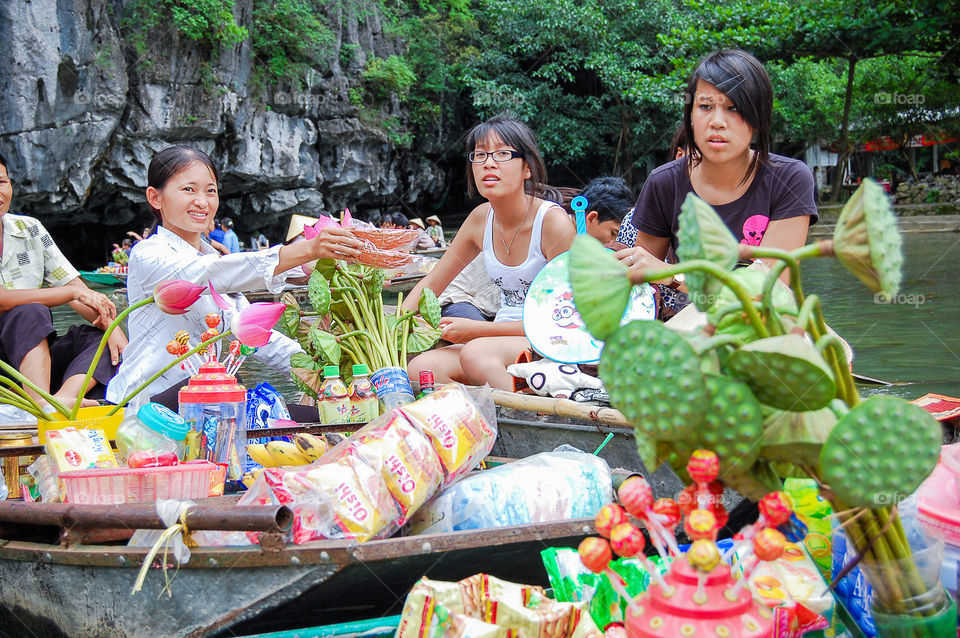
560 407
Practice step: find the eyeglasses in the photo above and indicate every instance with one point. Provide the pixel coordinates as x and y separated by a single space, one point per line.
479 157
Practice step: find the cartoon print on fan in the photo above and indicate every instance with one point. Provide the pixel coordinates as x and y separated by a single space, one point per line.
565 314
753 229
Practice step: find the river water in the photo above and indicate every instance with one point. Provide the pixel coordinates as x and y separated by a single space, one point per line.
913 340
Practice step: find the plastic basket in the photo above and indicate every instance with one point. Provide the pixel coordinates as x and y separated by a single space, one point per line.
87 418
129 485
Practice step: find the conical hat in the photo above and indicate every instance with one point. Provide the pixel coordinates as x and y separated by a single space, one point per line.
297 222
419 222
434 218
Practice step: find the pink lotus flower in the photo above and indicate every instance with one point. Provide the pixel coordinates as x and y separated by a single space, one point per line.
346 220
174 296
217 299
253 324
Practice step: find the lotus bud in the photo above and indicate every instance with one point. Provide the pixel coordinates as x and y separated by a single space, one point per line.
175 296
253 324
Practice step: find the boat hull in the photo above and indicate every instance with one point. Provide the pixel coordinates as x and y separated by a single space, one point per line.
85 591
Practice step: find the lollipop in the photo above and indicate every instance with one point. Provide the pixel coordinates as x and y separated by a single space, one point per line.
701 525
245 351
595 555
703 556
608 517
627 541
703 467
768 545
212 320
637 498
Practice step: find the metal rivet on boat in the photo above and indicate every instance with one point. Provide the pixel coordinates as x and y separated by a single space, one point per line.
426 547
324 556
212 561
47 556
121 559
586 529
294 560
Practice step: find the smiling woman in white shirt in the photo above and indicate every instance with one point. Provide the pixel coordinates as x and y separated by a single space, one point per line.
183 193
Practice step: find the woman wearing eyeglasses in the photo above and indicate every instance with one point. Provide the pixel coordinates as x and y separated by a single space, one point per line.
517 230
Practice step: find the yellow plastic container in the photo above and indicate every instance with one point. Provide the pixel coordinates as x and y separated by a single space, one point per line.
87 418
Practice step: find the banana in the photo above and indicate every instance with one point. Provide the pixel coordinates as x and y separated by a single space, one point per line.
258 452
249 478
285 453
312 447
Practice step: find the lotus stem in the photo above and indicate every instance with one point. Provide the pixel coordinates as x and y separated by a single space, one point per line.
103 343
180 359
17 396
714 342
644 276
14 374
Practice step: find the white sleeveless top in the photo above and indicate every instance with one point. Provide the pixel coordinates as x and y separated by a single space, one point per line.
514 281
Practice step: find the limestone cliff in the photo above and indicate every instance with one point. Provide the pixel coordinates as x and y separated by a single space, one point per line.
82 113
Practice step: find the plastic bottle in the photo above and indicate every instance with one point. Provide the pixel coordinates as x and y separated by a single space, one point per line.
333 399
392 387
426 383
152 428
364 406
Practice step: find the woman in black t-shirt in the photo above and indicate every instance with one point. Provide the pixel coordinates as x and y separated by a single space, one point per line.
765 199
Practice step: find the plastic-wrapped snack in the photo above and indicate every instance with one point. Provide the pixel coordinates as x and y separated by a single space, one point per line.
407 461
541 488
403 239
461 426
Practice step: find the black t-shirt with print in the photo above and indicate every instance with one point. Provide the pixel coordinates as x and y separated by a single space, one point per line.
782 188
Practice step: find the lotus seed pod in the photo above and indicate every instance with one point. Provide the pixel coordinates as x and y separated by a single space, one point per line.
626 540
636 496
769 544
784 372
173 347
609 516
212 320
595 554
703 555
700 524
653 377
601 287
775 508
880 451
866 239
732 425
670 512
703 235
318 292
429 307
703 466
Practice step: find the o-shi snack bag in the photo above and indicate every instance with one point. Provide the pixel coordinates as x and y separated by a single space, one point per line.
406 459
462 432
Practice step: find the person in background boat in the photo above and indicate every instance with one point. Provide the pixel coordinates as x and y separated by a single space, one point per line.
517 230
214 237
230 239
28 340
435 230
183 193
260 242
608 200
425 241
386 221
764 199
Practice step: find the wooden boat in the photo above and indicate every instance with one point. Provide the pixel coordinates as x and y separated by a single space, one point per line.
81 585
104 278
402 283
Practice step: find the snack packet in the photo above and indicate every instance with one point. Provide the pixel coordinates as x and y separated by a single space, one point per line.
460 426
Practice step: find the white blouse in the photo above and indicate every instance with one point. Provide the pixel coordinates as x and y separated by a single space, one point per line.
163 256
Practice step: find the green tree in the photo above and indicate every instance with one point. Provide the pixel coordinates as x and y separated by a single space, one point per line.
289 37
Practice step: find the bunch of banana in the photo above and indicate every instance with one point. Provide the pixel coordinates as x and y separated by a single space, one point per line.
249 478
305 449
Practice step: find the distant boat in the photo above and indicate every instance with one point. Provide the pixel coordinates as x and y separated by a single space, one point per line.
104 278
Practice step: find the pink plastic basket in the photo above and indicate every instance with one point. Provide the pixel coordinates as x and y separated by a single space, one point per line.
128 485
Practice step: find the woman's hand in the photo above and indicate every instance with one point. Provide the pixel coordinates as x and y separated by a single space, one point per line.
638 258
460 330
336 243
99 303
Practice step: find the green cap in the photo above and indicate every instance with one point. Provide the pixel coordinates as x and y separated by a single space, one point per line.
331 371
360 368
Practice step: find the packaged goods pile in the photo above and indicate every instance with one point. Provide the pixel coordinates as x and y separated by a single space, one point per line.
374 481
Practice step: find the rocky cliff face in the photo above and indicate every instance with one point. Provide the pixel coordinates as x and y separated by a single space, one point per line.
81 115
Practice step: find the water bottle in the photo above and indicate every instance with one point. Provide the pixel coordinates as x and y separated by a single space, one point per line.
392 387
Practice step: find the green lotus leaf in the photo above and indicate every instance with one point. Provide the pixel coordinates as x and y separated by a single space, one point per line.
703 235
429 307
326 268
303 360
601 288
289 323
866 239
422 337
326 345
307 380
318 291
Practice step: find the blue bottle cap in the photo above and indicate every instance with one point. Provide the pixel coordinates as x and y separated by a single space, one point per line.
163 420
